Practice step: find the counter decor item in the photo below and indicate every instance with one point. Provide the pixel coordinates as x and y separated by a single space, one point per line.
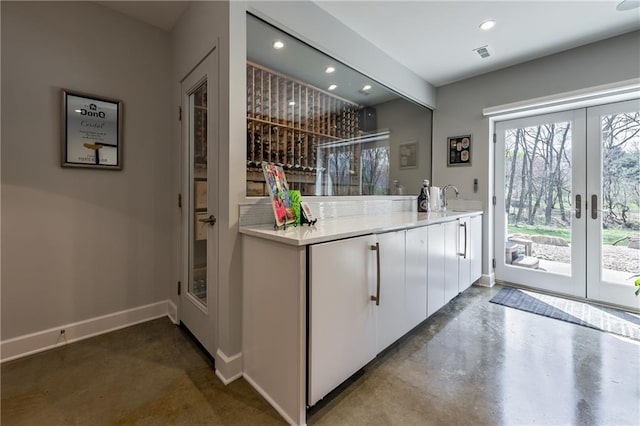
296 198
434 202
279 195
307 215
459 151
91 131
423 199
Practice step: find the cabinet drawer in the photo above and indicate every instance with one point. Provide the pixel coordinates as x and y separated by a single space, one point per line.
341 314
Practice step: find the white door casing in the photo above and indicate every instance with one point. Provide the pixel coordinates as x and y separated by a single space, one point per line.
199 314
572 280
587 277
604 285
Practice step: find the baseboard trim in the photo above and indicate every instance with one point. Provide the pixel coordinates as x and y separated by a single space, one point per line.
226 381
266 396
40 341
487 280
172 311
228 368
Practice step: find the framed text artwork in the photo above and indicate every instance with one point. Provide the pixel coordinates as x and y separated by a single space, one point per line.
91 131
459 151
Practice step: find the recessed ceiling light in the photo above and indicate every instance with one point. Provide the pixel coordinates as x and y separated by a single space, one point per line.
292 103
487 25
628 5
366 87
329 70
278 45
333 87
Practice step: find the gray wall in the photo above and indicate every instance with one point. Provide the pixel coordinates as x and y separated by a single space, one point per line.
203 26
80 243
407 122
459 108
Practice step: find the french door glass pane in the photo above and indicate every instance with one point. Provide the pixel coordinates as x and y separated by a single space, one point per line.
620 205
198 196
538 197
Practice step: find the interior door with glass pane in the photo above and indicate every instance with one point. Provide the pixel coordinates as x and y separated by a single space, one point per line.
540 189
613 201
199 205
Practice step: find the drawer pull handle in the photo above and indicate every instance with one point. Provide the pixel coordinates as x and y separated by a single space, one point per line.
464 253
376 298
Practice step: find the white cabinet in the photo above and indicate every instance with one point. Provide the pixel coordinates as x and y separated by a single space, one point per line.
451 256
442 271
390 309
476 248
416 276
311 328
435 268
348 326
470 263
342 337
464 260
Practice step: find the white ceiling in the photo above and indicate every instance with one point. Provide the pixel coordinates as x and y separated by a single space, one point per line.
161 14
304 63
435 39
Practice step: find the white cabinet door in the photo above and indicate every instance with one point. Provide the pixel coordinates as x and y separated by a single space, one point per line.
451 271
475 238
391 323
342 324
464 256
435 268
416 276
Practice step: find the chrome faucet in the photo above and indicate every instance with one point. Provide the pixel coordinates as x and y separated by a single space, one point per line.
443 195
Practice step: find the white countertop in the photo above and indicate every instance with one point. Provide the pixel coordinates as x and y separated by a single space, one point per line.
351 226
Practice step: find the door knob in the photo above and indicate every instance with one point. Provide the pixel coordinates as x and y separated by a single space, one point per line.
211 220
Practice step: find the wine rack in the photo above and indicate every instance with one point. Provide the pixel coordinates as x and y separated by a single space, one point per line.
289 122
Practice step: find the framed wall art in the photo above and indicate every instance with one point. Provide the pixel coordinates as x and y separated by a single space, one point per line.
91 131
459 151
408 155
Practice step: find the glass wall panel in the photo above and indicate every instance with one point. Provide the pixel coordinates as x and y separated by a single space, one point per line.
333 130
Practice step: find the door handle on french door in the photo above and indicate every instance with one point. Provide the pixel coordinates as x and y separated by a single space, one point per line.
578 206
211 220
376 298
594 206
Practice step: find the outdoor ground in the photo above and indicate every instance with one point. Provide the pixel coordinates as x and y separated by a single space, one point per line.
615 258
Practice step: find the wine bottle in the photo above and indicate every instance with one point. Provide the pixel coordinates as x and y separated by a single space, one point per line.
423 198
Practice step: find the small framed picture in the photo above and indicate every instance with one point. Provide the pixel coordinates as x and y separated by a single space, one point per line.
459 151
408 155
91 131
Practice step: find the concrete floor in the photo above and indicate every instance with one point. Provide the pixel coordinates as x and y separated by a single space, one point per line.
473 363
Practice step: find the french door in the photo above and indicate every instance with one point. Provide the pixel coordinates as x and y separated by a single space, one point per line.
613 198
198 301
568 202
